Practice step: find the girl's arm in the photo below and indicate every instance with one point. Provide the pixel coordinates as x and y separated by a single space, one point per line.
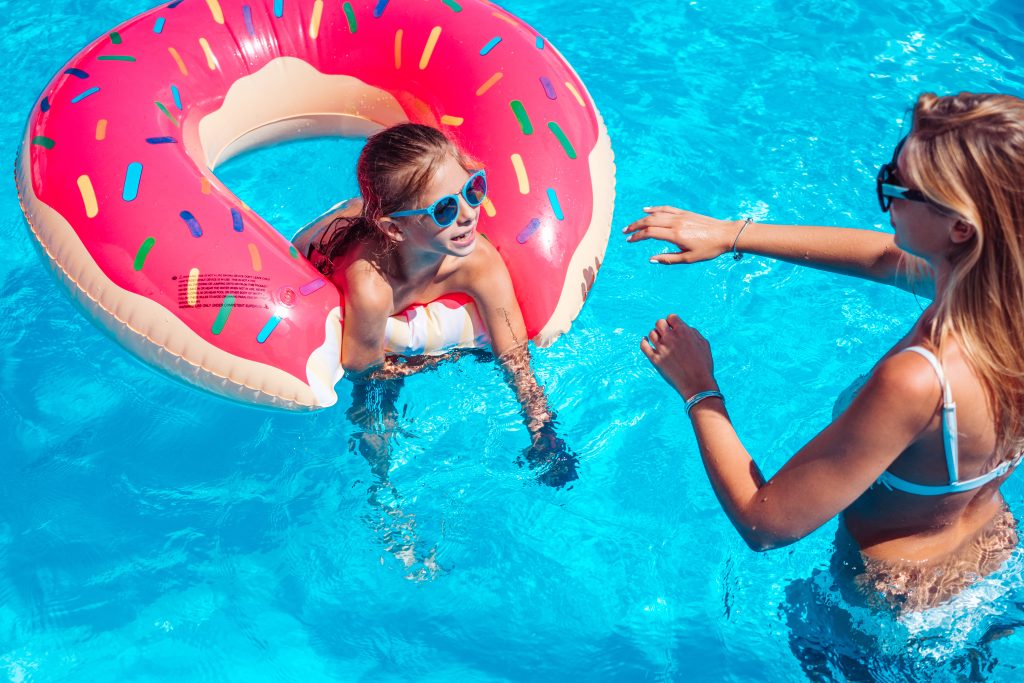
862 253
825 476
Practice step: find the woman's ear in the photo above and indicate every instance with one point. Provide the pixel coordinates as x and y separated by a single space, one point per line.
962 232
391 229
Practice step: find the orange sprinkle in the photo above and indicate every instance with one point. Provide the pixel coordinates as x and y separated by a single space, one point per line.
177 59
101 129
488 84
215 10
428 49
192 291
205 186
575 93
505 18
254 255
489 208
398 49
88 196
452 120
314 22
211 61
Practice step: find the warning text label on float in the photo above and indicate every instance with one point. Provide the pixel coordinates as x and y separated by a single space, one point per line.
208 290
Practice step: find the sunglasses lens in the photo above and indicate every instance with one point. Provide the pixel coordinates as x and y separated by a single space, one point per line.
885 177
445 211
476 190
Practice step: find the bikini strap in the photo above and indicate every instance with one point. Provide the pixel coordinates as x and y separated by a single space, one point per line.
949 429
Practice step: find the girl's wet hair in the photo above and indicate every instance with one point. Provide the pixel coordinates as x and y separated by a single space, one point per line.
393 172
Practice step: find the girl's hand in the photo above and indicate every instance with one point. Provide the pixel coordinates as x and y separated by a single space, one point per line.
681 355
699 238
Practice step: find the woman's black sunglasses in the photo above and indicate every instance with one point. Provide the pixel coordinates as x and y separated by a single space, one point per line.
888 188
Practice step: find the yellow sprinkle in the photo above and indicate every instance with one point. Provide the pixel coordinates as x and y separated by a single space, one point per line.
254 255
575 93
505 18
177 59
205 186
452 120
489 208
101 129
314 22
88 196
193 286
398 49
428 49
524 182
215 10
488 83
211 61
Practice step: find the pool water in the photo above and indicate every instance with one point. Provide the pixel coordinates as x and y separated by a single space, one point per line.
150 532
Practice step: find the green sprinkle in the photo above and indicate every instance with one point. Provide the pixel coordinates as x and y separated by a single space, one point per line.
454 5
167 113
140 256
115 38
293 252
222 316
524 120
43 141
351 16
115 58
566 145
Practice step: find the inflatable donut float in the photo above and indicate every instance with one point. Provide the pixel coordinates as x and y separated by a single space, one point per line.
115 176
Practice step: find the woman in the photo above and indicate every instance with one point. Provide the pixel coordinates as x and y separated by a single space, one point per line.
914 476
412 239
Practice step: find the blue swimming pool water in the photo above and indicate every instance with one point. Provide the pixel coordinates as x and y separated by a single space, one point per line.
149 532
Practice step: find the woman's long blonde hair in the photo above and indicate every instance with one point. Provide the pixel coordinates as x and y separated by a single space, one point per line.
966 152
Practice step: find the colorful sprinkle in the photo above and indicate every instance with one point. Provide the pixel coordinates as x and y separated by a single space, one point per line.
236 220
177 59
490 45
162 108
88 196
293 252
507 19
160 141
158 25
456 7
254 256
101 129
204 186
215 10
132 177
177 96
175 4
428 49
556 206
398 49
115 38
44 105
211 61
524 121
268 328
488 83
314 22
528 231
115 58
521 177
247 15
192 223
489 207
222 316
310 287
82 96
143 252
278 8
566 145
379 9
540 43
452 120
43 141
192 293
575 93
549 89
351 16
77 73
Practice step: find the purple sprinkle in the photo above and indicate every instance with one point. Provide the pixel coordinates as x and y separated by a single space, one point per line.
247 14
236 220
528 231
192 223
310 287
77 73
549 89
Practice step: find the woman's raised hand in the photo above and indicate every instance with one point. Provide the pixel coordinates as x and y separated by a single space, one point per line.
681 355
699 238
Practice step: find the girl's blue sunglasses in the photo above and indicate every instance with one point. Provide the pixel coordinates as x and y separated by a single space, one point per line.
446 209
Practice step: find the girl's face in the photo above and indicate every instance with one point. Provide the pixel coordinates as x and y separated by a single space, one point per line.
921 229
459 238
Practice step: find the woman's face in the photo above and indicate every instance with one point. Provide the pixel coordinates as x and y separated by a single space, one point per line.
921 229
459 238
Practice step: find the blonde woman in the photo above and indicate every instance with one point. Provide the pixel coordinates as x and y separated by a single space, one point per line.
914 462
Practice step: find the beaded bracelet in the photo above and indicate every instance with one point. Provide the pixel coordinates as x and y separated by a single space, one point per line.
698 397
736 256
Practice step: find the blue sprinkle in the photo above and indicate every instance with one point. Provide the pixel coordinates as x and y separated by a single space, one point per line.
555 205
236 220
278 8
540 43
77 73
490 46
158 27
131 181
379 9
175 4
192 223
549 89
44 105
160 141
528 231
247 14
82 96
268 328
177 96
